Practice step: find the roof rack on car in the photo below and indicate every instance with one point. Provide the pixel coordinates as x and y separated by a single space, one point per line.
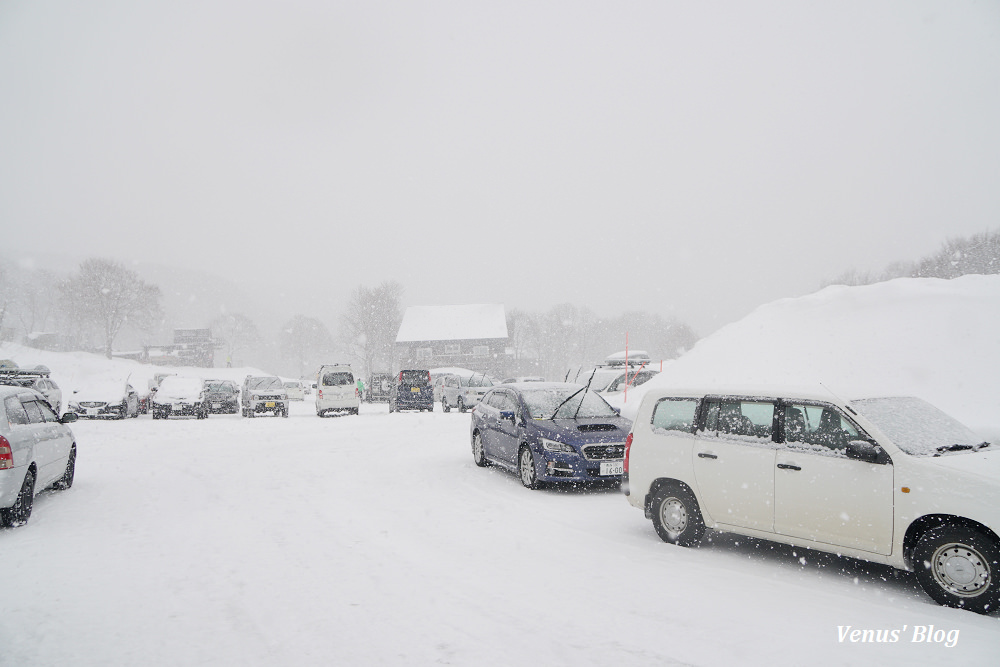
25 372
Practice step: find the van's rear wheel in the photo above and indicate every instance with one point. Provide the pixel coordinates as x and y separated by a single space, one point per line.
959 567
676 516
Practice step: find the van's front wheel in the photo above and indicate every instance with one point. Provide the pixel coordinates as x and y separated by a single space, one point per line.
677 517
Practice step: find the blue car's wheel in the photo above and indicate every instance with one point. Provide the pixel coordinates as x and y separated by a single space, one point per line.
526 468
478 453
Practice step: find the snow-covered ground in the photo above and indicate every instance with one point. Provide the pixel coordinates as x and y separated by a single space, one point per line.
374 539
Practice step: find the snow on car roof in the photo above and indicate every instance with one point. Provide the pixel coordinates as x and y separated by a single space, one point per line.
466 322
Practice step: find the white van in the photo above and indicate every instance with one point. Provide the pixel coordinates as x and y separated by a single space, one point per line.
336 390
888 480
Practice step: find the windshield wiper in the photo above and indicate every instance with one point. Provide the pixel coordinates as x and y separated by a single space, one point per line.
585 390
961 448
568 399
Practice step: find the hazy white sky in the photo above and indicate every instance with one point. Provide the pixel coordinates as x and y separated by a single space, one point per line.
689 158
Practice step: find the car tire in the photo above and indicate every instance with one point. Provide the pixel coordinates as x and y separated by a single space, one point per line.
461 404
19 513
676 516
66 481
251 413
959 567
526 468
284 411
444 405
392 408
478 451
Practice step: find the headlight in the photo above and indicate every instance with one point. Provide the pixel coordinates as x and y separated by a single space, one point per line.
554 446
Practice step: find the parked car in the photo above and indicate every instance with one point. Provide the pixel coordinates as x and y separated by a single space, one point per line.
888 480
549 432
380 387
37 451
294 390
222 396
438 384
336 390
105 399
181 397
413 391
263 393
464 392
36 378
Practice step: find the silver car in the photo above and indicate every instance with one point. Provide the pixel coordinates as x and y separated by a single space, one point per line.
37 451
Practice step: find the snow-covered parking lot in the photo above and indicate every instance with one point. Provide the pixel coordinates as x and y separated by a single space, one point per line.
375 540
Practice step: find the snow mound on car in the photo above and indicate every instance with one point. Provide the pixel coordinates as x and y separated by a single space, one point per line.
936 339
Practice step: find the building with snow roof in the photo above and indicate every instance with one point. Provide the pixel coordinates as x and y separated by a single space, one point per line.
468 336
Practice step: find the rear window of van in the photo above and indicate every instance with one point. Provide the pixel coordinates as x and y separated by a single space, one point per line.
337 379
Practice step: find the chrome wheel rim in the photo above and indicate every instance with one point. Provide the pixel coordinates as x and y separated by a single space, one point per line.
673 516
527 467
960 569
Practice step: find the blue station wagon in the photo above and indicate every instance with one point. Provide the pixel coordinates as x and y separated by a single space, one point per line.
549 432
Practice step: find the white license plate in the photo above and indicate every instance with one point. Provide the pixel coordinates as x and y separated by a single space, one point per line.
93 411
216 406
612 467
269 404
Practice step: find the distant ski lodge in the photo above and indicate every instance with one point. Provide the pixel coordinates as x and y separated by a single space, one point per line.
469 336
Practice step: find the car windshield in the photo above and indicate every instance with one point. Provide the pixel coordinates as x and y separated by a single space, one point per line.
543 402
337 379
216 386
267 384
917 427
179 386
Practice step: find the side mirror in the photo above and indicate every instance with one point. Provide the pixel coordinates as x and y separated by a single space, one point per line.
507 414
862 450
68 417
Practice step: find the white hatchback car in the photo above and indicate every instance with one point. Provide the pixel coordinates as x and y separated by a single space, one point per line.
888 480
37 450
336 390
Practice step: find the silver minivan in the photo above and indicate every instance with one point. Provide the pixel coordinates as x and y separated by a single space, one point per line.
37 451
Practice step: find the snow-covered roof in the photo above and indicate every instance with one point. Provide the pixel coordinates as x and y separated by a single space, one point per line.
468 322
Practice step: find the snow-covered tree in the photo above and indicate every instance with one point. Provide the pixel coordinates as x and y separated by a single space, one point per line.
368 329
106 293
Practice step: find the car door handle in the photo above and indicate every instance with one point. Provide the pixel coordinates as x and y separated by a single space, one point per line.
706 455
788 466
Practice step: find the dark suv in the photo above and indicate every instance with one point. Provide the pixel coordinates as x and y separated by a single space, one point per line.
413 391
222 396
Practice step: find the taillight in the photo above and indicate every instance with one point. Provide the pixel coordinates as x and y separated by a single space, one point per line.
319 392
428 377
400 377
628 448
6 456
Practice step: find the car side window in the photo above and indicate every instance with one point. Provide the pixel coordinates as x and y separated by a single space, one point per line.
35 415
728 418
675 414
820 428
47 413
15 411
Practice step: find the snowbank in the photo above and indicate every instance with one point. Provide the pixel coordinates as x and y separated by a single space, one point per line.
79 370
936 339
